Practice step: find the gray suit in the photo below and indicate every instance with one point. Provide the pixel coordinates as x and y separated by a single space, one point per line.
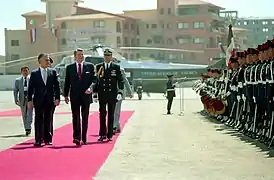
118 106
22 101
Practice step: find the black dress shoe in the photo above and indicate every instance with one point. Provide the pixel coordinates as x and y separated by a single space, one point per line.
84 142
77 142
102 138
28 132
168 112
48 143
37 144
109 138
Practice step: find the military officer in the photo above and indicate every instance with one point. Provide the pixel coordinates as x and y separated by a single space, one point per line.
108 89
170 91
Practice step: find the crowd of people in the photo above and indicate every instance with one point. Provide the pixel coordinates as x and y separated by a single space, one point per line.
39 91
242 95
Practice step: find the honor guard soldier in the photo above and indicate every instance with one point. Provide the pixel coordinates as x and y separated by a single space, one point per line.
108 89
170 89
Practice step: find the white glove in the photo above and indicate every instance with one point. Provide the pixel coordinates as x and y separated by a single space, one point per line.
88 91
243 97
254 99
119 97
95 98
238 98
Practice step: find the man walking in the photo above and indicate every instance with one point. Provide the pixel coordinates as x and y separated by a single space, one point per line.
20 94
110 87
43 93
80 77
127 88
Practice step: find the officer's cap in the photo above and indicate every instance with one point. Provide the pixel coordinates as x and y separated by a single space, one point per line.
252 51
107 52
233 60
170 75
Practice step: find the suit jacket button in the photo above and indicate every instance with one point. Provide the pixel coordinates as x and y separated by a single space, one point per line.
104 89
109 90
109 79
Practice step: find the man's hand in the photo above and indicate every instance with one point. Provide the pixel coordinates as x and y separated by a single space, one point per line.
66 100
131 95
119 97
30 105
88 91
57 102
17 103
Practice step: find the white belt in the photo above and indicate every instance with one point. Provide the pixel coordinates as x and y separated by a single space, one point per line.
170 90
240 85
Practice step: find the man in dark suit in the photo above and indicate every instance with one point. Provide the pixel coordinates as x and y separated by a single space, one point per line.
79 80
43 93
170 90
110 87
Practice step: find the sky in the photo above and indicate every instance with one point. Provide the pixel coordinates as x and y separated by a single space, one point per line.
11 10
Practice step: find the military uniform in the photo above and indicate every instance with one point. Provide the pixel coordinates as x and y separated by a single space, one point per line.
109 87
170 90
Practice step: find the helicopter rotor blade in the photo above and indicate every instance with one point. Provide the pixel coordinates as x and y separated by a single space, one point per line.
160 49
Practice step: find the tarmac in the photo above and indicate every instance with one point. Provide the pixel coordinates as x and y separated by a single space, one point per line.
156 146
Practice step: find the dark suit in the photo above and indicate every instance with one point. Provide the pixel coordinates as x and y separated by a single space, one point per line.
75 87
43 97
109 84
170 87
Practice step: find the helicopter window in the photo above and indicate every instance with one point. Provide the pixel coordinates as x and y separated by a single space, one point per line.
94 60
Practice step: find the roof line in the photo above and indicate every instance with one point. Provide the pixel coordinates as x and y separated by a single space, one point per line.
108 13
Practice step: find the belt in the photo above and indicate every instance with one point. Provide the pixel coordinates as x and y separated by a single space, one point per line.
170 90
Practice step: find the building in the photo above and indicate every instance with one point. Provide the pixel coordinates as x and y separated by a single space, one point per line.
2 61
192 25
260 29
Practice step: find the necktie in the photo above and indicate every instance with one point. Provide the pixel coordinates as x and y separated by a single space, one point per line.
107 66
80 71
45 76
25 86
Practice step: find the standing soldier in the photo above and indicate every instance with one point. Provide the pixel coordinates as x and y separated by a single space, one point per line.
170 88
20 93
109 89
116 127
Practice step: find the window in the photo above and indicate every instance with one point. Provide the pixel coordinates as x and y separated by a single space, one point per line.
154 26
118 26
245 23
264 22
170 41
125 55
132 42
15 57
199 25
147 25
183 40
157 39
126 41
118 40
198 40
169 26
149 41
169 11
126 26
98 40
132 27
138 42
64 41
187 11
138 56
172 56
99 24
64 25
14 42
272 22
182 25
162 11
131 56
265 29
137 30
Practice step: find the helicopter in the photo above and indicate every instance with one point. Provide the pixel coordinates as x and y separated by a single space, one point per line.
151 73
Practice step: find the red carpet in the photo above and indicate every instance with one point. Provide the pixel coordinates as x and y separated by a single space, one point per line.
63 160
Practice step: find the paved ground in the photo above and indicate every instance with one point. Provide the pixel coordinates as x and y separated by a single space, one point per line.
154 146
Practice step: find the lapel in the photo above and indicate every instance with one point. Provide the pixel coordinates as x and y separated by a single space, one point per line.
49 72
84 68
21 83
39 73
